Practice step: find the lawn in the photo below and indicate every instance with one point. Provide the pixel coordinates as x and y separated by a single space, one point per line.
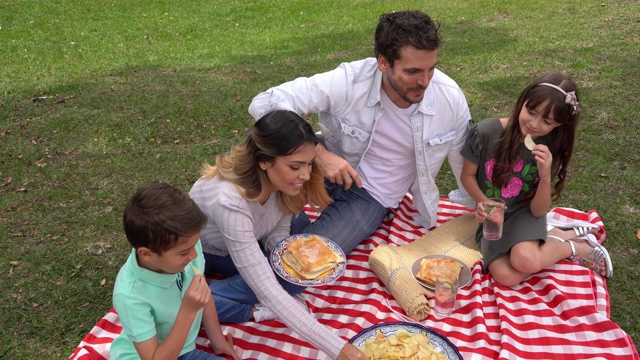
100 97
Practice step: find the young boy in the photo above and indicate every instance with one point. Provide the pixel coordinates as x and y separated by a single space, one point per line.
159 294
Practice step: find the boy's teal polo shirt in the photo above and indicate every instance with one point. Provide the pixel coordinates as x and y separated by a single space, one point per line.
147 303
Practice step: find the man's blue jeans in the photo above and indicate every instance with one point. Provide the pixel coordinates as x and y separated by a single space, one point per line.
235 300
352 217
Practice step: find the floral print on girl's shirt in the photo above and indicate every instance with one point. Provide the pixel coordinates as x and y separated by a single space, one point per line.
522 176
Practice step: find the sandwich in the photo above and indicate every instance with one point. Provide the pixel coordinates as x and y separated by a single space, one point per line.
310 257
430 269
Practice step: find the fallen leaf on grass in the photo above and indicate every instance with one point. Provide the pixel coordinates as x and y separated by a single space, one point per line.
13 265
638 234
103 282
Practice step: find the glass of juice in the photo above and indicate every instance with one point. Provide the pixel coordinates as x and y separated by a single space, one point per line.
492 225
445 295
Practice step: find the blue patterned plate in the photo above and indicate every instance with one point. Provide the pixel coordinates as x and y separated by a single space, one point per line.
281 269
441 343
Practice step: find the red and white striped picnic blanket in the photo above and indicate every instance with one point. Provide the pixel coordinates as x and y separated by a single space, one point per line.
559 313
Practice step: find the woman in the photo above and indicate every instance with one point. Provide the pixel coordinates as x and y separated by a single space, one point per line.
249 197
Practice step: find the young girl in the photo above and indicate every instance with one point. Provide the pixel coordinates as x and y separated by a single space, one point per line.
249 198
498 164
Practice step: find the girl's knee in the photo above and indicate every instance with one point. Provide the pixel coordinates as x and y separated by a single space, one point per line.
505 279
504 273
525 262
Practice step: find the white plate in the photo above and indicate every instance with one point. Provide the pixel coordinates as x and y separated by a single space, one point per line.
280 268
440 342
465 273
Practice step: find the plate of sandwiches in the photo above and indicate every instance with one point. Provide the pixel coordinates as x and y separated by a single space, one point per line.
427 268
308 260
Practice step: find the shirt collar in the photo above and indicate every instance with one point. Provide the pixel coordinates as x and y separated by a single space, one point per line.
426 106
152 277
374 93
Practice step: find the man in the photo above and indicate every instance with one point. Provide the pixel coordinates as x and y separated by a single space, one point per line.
389 122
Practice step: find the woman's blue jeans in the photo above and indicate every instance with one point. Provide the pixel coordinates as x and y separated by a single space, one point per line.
352 217
235 300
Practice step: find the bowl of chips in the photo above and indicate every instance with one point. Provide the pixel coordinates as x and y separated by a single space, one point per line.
404 340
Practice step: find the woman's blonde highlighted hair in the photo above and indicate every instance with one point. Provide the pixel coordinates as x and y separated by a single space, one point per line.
278 133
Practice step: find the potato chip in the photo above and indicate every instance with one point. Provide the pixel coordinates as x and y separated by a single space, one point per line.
528 142
401 345
196 272
195 269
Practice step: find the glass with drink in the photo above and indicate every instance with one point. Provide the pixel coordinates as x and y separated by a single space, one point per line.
492 225
445 295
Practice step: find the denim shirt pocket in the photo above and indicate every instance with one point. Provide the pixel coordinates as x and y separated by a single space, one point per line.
440 139
436 148
351 143
354 132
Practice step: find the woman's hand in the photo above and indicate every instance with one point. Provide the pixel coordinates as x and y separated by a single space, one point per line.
350 352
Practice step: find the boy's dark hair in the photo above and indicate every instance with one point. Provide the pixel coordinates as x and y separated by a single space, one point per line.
398 29
158 215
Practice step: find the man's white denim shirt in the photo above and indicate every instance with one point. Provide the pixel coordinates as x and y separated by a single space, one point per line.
347 101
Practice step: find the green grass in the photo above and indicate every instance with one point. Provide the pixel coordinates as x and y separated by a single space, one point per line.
134 91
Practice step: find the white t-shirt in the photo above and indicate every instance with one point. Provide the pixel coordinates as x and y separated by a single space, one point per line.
390 161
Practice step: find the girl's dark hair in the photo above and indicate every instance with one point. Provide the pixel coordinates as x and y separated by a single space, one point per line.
561 138
398 29
278 133
159 215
